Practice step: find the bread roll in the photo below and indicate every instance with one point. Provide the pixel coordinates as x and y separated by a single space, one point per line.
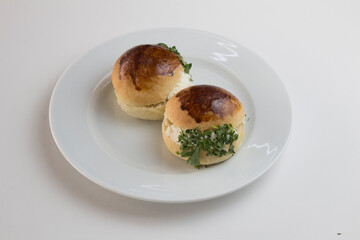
145 77
202 107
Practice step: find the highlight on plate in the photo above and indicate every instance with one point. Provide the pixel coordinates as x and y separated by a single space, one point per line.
146 76
203 124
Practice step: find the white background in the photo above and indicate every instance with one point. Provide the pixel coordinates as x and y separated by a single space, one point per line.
313 192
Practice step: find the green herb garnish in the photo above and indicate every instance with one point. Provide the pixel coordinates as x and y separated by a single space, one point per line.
195 157
187 66
212 141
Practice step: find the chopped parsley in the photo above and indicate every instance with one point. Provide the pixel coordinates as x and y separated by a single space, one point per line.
212 141
187 66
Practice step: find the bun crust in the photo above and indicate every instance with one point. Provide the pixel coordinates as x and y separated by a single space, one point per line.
145 75
204 106
149 113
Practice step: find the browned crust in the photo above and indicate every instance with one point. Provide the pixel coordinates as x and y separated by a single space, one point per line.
143 62
145 75
204 106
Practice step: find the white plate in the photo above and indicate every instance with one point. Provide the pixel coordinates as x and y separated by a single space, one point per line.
128 156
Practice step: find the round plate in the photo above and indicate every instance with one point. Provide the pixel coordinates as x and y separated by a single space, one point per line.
128 156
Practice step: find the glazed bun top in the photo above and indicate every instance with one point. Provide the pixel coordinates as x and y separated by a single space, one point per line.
204 106
146 74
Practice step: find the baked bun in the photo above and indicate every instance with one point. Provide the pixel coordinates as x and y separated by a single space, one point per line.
203 107
145 77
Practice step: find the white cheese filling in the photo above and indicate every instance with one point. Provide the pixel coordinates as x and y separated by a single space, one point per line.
183 83
171 130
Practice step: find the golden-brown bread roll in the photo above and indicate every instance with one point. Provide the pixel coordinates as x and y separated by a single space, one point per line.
203 107
145 77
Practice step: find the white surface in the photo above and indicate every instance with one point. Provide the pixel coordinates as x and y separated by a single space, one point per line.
313 192
128 155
